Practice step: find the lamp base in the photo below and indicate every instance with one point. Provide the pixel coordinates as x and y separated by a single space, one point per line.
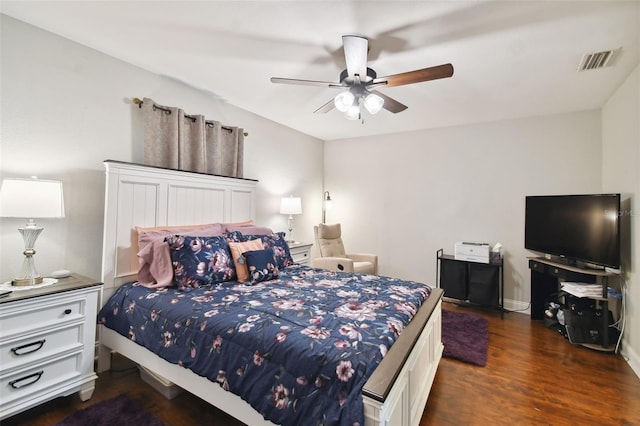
29 275
19 282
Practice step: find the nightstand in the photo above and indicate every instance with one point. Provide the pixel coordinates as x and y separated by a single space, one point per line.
300 253
47 343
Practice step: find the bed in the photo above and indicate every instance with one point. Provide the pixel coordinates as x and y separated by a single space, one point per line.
395 390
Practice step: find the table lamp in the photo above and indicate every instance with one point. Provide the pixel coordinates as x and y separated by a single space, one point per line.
30 199
291 205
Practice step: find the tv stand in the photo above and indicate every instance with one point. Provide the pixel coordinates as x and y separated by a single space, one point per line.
546 276
577 265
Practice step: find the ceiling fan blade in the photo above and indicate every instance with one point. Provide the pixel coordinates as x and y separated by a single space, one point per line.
305 82
355 55
325 108
417 76
390 104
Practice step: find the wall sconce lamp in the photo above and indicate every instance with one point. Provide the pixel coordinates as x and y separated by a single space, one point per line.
30 198
290 205
326 205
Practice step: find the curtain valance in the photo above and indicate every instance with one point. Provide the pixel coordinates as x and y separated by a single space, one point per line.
177 140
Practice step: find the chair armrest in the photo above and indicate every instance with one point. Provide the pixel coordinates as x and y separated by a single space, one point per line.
365 257
333 263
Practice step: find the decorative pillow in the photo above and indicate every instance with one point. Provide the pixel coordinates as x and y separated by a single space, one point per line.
262 265
237 250
156 270
275 241
329 241
200 261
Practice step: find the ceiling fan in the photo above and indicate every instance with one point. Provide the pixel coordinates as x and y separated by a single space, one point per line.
361 82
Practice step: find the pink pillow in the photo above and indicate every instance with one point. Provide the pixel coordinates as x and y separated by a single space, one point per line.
156 269
243 223
146 235
242 272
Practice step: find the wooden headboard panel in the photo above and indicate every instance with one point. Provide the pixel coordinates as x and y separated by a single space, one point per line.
138 195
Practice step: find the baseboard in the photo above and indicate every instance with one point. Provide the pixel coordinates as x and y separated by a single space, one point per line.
509 305
632 358
517 306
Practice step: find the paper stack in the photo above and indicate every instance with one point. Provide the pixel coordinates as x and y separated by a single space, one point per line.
582 289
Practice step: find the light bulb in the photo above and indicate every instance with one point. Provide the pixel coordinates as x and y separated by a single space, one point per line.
353 113
343 101
373 103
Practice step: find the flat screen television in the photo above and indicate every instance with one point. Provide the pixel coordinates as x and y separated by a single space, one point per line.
578 228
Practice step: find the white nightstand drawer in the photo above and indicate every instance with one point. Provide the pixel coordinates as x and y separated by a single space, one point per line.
19 352
300 252
300 257
51 313
45 377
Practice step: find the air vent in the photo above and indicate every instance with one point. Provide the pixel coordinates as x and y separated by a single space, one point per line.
594 61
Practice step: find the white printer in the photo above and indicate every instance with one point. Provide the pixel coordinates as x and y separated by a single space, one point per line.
472 252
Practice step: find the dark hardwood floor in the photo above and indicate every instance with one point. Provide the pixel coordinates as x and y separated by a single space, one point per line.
533 376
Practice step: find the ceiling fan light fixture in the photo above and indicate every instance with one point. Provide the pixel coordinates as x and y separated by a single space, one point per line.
352 113
373 103
343 101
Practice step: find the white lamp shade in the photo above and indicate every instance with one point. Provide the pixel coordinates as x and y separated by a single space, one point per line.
31 198
343 101
373 103
353 113
291 205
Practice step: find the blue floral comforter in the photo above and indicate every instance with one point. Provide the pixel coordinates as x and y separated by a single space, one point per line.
298 349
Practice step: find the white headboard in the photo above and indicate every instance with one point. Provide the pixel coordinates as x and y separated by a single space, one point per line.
138 195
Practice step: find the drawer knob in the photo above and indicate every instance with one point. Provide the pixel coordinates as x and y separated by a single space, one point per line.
28 348
67 311
30 379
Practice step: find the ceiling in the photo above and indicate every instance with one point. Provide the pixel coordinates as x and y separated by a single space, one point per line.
511 58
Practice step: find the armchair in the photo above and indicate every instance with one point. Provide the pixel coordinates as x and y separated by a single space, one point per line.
333 256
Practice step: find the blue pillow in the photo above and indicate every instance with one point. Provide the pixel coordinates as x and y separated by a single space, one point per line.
199 261
276 241
261 264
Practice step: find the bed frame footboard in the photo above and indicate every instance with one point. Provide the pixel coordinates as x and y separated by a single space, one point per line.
406 395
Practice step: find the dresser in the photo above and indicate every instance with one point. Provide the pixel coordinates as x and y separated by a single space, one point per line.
300 253
47 343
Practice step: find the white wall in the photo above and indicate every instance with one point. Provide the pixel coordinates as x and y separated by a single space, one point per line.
621 173
404 196
66 108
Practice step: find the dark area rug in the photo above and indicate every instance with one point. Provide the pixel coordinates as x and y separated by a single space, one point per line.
120 410
465 337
